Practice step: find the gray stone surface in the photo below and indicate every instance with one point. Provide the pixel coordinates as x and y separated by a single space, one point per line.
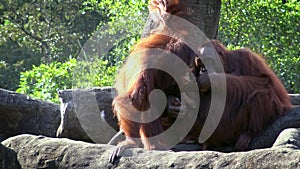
42 152
87 115
96 104
289 138
268 137
20 113
295 98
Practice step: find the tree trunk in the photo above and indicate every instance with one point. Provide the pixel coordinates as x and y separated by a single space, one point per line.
205 14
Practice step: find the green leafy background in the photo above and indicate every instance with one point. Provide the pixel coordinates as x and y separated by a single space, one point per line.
41 42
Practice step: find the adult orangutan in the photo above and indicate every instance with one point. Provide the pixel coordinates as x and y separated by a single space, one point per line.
255 96
135 82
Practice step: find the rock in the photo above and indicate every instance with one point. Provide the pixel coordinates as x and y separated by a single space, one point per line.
295 99
268 137
89 104
21 114
289 138
43 152
8 158
87 115
88 100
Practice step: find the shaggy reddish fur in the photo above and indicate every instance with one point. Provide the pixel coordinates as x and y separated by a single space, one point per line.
138 88
255 96
141 85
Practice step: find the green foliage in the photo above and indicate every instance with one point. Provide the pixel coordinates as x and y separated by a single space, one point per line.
123 29
13 60
51 31
270 28
93 68
109 45
88 75
51 27
42 32
44 81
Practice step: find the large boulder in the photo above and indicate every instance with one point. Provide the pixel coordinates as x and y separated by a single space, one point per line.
20 113
289 137
86 120
295 98
42 152
269 136
86 115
